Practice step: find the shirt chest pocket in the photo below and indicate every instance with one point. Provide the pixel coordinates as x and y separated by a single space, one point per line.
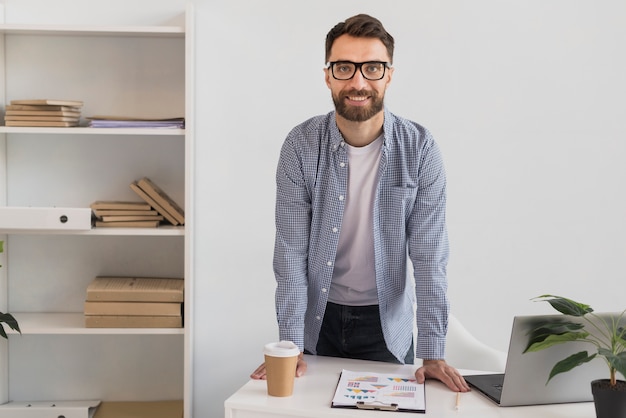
396 205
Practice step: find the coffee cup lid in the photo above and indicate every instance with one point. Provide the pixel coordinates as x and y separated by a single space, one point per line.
281 349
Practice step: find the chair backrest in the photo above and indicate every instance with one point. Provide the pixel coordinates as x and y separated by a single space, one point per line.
464 351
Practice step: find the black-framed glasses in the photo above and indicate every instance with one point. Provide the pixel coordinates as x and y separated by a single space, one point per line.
345 70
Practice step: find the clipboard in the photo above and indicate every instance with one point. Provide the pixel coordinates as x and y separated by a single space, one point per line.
379 391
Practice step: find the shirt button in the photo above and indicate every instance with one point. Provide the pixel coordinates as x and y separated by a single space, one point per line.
342 143
324 290
342 164
341 197
335 229
329 263
318 317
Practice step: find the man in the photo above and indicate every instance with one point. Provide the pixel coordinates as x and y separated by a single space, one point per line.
357 190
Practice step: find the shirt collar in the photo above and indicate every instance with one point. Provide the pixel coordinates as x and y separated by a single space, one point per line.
336 139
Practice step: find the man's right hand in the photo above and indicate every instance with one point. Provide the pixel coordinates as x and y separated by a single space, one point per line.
260 373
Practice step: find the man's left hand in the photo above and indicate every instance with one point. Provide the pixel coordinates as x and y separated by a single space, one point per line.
442 371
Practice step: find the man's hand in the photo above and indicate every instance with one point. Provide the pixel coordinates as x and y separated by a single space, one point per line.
260 373
440 370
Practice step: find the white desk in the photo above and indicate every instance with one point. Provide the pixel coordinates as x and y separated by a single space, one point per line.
314 391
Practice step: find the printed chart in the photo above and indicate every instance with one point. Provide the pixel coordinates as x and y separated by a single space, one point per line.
379 391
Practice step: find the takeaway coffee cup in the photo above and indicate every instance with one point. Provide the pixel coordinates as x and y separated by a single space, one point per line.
280 366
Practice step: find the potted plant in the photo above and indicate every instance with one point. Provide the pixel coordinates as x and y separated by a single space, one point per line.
606 335
7 318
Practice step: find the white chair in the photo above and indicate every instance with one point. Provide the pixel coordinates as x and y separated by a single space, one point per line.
464 351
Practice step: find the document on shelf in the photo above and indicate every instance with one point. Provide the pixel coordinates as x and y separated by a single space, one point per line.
379 391
135 122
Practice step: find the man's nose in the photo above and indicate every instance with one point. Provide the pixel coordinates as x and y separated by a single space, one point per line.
358 81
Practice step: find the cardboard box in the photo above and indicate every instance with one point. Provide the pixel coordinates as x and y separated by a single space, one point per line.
158 409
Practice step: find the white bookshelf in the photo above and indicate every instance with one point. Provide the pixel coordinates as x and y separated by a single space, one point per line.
143 70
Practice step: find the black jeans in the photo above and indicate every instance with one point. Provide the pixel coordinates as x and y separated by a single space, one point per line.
355 332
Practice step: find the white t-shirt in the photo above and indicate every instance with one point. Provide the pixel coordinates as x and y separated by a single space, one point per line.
354 275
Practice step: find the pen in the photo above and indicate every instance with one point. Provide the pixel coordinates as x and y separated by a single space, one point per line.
457 406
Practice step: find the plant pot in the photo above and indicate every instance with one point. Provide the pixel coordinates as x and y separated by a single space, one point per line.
610 401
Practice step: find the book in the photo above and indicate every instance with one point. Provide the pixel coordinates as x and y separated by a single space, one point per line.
46 113
133 308
45 108
162 198
153 203
127 218
40 123
73 103
136 289
392 392
99 213
126 321
119 205
127 224
142 409
42 118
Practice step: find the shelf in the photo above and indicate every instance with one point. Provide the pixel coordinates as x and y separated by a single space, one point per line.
20 29
162 231
92 131
74 323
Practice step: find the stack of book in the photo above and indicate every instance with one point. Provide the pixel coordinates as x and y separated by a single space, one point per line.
134 302
159 200
43 112
125 214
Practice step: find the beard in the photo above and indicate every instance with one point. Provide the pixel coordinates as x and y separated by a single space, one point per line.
358 113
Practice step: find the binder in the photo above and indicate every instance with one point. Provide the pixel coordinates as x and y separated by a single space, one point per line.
48 218
49 409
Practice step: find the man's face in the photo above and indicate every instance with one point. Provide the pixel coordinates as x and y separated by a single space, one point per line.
358 99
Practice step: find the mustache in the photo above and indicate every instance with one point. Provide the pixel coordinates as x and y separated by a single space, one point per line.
359 93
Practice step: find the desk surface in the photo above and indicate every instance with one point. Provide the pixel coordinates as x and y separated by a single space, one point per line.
314 391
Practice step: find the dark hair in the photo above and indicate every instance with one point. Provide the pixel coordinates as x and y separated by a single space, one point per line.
361 26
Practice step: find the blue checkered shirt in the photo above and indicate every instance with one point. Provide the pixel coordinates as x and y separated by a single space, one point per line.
409 218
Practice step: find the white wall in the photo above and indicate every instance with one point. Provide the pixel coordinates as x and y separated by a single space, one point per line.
526 101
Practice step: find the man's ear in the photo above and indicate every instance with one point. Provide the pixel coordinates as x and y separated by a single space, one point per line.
390 73
327 76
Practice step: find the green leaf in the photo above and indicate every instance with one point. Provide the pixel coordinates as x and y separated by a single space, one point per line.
566 306
8 319
546 334
551 340
544 328
570 362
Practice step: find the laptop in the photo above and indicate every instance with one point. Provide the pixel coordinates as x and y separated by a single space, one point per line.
524 379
